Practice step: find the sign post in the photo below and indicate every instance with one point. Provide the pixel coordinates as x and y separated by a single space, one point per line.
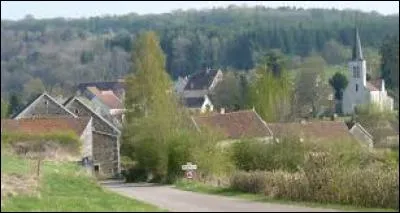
189 169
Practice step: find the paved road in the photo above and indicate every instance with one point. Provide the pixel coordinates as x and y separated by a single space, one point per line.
167 197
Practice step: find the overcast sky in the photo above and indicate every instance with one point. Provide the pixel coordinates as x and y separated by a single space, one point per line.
75 9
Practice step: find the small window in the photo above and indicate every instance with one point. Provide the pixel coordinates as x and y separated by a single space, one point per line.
96 168
76 111
46 102
356 87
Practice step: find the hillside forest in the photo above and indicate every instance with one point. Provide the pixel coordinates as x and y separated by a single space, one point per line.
57 54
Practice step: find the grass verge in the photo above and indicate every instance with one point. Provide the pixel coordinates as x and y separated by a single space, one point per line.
64 187
224 191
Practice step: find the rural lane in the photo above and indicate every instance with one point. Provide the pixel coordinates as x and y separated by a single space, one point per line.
169 198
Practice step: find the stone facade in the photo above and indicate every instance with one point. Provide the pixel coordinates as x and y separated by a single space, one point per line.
87 141
99 124
106 153
44 106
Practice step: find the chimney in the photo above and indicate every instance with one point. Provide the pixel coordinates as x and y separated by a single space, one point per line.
208 70
222 110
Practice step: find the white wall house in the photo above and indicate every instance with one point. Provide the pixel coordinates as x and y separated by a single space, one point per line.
359 91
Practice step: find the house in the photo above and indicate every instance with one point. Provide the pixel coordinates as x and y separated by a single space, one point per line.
385 134
362 135
234 126
106 138
81 127
180 84
44 106
107 98
199 104
360 91
202 83
105 144
118 87
312 130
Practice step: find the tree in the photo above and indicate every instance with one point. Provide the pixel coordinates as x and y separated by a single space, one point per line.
33 88
269 94
15 104
4 109
390 61
152 117
311 91
230 93
339 83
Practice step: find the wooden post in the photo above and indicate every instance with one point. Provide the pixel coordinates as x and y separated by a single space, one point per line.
38 167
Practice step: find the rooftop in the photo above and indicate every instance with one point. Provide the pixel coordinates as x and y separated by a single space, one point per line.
235 125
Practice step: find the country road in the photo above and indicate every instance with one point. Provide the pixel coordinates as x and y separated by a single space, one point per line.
167 197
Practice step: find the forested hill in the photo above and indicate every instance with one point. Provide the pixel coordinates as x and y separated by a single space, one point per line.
59 53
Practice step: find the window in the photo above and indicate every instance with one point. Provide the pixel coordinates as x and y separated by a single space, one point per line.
356 87
354 72
96 168
76 111
46 102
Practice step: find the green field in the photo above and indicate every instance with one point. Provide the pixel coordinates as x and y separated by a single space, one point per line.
64 187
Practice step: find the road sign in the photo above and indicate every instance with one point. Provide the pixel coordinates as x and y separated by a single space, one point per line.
189 166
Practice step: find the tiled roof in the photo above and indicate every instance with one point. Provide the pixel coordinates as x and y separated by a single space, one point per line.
45 125
235 125
324 130
201 80
105 85
195 102
110 99
374 85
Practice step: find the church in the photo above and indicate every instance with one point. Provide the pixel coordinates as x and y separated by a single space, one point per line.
359 91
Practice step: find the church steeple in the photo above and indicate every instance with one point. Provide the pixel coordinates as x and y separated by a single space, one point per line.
357 51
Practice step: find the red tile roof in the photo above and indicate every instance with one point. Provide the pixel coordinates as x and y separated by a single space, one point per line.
374 85
45 125
110 99
235 125
319 130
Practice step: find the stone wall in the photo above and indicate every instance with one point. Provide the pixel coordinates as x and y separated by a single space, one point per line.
105 153
98 124
44 107
87 141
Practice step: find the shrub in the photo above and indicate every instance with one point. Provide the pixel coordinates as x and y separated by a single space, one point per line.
287 154
374 186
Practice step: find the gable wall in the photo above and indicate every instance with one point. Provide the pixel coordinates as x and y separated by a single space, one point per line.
105 153
98 124
41 109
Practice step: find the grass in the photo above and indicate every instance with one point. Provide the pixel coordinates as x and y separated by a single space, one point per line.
224 191
65 187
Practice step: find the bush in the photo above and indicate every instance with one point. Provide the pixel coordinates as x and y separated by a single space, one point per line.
287 154
373 186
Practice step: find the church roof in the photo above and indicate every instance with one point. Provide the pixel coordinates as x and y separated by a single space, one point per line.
357 50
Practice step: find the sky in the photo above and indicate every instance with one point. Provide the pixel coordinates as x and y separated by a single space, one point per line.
15 10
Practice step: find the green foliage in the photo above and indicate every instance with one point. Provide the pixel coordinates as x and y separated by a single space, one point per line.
390 61
339 83
15 104
231 92
191 40
4 109
270 94
311 90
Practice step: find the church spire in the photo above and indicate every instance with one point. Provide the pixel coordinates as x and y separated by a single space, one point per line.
357 51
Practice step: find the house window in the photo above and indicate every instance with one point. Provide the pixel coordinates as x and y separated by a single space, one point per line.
356 87
96 168
76 111
354 72
46 102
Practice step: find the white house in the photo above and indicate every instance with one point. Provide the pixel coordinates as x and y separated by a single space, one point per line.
200 104
360 91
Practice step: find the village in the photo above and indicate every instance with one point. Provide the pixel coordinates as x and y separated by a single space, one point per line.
173 127
102 103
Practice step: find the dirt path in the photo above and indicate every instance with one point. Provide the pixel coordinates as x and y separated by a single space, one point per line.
172 199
